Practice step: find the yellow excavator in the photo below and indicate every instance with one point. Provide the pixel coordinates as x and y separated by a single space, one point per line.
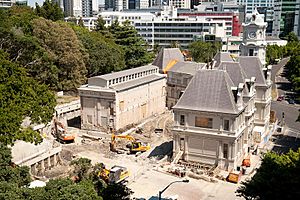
116 174
134 147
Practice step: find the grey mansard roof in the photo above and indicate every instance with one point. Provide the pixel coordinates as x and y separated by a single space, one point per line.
166 55
187 67
253 68
210 91
235 72
222 57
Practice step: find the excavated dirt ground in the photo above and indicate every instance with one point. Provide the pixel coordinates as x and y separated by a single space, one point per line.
98 150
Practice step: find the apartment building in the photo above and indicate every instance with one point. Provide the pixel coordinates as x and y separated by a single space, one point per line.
122 98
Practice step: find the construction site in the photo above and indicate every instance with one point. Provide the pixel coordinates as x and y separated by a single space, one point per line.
143 152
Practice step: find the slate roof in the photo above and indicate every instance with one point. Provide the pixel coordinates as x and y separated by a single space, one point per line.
126 85
235 72
126 72
222 57
210 91
137 82
166 55
187 67
253 68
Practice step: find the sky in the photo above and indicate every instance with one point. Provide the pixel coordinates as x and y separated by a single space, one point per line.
32 2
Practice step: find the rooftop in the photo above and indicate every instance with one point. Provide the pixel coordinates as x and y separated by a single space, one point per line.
253 68
126 72
187 67
210 91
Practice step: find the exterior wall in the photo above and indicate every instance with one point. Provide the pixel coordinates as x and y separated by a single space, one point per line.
97 108
176 84
206 145
139 103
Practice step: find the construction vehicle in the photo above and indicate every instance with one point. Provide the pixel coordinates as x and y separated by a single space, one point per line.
134 146
246 161
116 174
60 132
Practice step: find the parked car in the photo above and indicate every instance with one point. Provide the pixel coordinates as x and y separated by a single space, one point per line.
291 101
280 98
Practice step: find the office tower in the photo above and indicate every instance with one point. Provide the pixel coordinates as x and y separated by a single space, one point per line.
87 8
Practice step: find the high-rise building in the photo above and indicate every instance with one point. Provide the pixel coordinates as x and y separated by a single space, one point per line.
68 8
180 3
87 8
297 19
116 5
265 7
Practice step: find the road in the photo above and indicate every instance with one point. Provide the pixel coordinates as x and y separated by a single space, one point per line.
284 88
290 113
277 77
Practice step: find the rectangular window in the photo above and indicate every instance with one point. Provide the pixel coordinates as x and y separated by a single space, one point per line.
226 125
225 151
182 120
251 52
203 122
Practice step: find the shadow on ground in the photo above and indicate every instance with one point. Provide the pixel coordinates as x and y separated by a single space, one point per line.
283 143
162 150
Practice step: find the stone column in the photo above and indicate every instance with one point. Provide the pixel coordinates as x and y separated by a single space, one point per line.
230 151
49 162
54 160
186 147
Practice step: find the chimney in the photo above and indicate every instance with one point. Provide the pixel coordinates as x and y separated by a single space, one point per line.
235 92
250 84
267 74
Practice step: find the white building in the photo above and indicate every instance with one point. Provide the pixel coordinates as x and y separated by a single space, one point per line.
265 7
122 98
168 27
7 3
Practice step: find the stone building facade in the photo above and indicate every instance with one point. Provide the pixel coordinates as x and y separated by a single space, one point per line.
118 99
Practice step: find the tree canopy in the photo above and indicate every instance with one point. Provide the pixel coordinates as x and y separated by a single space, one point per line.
277 178
49 10
63 57
134 46
204 51
21 96
104 55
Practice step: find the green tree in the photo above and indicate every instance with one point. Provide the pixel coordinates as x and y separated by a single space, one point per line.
21 96
204 51
104 55
135 48
116 192
82 168
292 37
10 173
62 66
49 10
293 74
277 178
